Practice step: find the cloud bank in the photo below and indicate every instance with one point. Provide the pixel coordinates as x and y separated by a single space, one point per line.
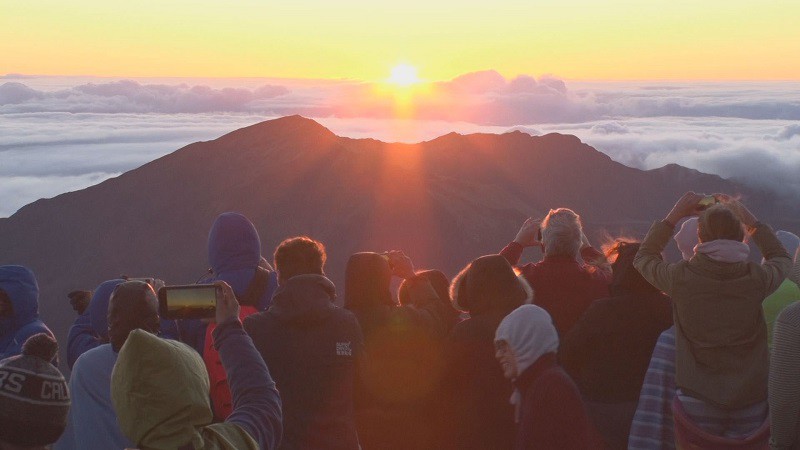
58 135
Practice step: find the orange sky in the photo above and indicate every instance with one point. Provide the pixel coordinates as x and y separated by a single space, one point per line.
360 39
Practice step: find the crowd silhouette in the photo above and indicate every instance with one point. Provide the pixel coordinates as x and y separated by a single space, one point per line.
607 347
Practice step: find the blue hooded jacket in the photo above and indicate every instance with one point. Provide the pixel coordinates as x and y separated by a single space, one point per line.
234 253
90 329
20 286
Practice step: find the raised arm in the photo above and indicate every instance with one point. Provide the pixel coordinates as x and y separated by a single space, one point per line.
795 275
648 260
81 338
527 236
256 403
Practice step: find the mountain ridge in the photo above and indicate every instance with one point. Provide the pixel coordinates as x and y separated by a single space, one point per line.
443 201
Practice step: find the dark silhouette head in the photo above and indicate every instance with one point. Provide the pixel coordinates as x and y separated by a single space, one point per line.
719 222
487 284
132 305
438 281
626 279
299 256
367 281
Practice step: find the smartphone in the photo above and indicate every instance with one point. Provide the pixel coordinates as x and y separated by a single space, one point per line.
191 301
706 201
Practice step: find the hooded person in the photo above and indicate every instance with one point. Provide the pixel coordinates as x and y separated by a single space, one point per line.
159 389
92 422
34 398
548 407
234 255
721 360
607 353
402 366
90 329
19 310
311 347
475 392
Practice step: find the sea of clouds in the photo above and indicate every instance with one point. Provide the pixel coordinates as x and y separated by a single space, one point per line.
60 134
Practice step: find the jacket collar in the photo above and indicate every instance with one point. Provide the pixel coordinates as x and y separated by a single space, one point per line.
529 375
704 265
303 298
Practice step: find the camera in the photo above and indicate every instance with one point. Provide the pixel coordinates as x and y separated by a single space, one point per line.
191 301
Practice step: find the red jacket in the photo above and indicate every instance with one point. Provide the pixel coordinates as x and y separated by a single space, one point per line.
552 414
563 286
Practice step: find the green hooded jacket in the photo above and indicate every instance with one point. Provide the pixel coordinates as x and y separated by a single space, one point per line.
160 391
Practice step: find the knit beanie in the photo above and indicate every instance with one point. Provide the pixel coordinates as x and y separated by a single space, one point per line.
34 400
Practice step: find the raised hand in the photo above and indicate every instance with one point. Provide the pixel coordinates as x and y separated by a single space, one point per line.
528 235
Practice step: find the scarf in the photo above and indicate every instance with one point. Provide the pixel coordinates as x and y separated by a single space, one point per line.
530 334
724 250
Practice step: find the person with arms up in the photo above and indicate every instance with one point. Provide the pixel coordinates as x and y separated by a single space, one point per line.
721 359
564 286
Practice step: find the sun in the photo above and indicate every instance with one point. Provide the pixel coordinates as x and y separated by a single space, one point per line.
404 75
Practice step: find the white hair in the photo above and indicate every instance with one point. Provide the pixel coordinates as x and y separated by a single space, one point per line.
561 233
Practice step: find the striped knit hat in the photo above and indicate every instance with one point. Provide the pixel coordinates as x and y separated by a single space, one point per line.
34 400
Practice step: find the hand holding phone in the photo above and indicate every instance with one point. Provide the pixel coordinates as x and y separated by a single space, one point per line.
227 305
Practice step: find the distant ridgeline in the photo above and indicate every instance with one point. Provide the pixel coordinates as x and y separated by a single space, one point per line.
444 202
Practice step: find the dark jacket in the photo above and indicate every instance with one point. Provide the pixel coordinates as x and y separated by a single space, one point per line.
608 351
479 415
90 329
20 286
552 415
310 347
403 362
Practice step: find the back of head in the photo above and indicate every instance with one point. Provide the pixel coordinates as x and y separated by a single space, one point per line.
530 333
437 279
98 307
686 238
367 281
159 389
626 280
299 256
489 283
561 233
22 291
719 222
132 305
234 251
34 399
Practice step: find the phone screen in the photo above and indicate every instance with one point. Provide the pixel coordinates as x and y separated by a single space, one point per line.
188 302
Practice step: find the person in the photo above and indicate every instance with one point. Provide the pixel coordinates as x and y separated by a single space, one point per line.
92 422
34 398
548 406
19 310
784 384
311 347
564 286
402 366
721 359
233 249
159 389
475 392
608 351
234 254
90 328
441 285
79 300
787 293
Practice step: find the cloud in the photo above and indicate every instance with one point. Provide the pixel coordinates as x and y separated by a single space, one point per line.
610 128
127 96
788 132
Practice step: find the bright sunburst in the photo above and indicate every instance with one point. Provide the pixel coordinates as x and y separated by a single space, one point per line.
404 75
